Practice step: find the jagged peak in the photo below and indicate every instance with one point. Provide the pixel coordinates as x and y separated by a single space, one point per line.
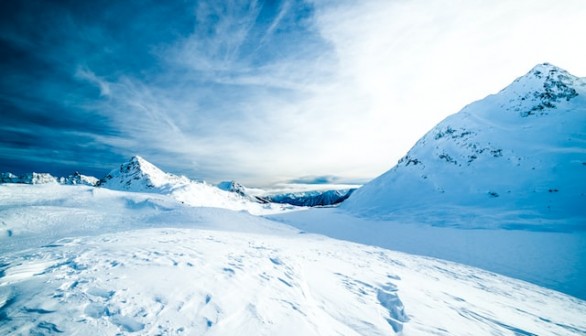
139 161
138 174
544 73
540 90
139 164
546 67
549 72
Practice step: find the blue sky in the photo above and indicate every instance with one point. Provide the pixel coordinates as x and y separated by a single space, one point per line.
260 92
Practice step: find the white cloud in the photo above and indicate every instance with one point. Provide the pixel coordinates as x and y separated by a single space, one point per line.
88 75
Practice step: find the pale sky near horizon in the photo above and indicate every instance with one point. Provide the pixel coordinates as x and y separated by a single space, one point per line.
259 91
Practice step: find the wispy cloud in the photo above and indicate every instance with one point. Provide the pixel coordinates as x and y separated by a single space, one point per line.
88 75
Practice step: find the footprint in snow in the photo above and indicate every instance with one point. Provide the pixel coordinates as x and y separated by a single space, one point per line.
388 298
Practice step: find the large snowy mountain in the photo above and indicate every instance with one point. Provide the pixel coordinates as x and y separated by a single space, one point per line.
139 175
520 152
78 260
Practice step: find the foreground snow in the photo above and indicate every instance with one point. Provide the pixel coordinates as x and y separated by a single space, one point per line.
547 258
82 260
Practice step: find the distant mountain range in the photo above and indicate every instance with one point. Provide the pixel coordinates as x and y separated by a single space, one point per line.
312 198
42 178
139 175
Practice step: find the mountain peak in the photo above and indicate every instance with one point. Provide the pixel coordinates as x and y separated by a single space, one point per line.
548 73
137 159
546 67
543 88
137 164
137 174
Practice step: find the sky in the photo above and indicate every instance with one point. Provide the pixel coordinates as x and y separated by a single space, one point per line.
258 91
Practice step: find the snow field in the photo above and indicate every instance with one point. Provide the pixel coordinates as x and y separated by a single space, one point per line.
149 265
192 281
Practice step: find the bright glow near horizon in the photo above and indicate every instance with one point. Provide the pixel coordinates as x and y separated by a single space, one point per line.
265 92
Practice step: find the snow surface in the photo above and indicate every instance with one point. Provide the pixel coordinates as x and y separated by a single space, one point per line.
550 259
520 153
78 260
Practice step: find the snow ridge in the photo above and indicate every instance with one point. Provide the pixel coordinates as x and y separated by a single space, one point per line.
239 189
78 179
139 175
44 178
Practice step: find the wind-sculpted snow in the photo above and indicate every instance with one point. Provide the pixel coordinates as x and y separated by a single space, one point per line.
137 263
519 153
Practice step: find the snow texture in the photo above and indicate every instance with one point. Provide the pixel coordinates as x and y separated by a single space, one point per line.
84 260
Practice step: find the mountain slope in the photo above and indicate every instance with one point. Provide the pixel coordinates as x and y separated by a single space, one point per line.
520 152
142 263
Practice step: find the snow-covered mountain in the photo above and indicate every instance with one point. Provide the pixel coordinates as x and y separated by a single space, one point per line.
239 189
520 152
93 261
139 175
312 198
43 178
31 178
78 179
